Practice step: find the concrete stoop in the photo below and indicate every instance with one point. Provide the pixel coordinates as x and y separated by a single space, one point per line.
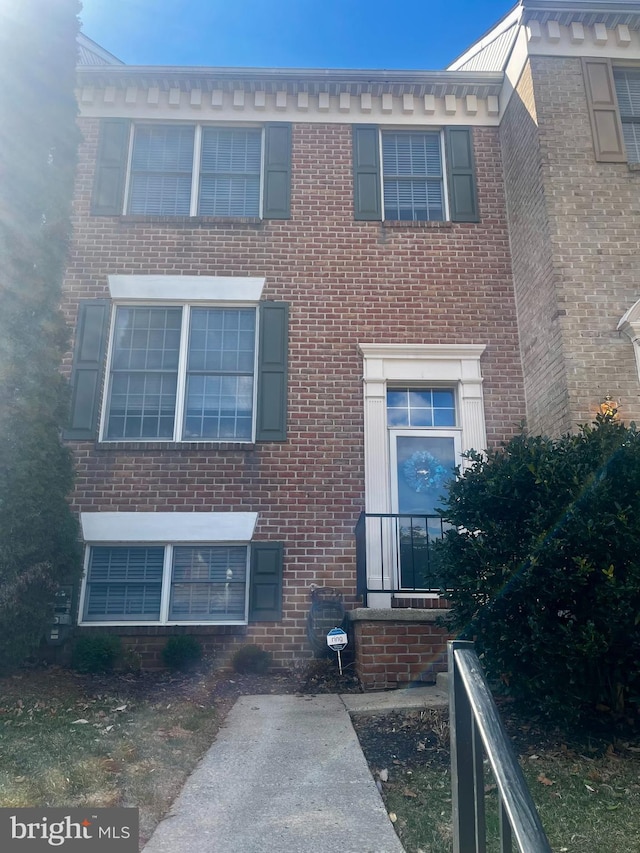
404 699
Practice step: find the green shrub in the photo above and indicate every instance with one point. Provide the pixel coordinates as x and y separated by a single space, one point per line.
181 652
96 653
543 568
251 659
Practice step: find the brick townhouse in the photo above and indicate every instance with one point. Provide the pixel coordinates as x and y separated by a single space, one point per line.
299 296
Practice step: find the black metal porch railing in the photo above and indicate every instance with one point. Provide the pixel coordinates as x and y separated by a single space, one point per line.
394 552
476 728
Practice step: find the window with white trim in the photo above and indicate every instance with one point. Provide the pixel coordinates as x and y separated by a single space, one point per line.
405 175
627 83
166 584
413 175
181 372
182 170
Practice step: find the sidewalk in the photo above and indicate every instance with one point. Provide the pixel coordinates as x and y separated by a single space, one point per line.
286 774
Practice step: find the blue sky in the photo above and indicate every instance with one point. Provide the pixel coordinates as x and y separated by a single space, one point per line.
416 34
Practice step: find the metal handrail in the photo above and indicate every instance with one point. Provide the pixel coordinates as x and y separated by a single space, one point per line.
475 724
394 552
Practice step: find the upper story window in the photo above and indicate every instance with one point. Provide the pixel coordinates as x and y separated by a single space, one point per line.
183 373
414 175
627 83
185 170
178 169
180 368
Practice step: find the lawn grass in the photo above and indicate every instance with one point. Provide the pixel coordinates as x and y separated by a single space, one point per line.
65 741
588 803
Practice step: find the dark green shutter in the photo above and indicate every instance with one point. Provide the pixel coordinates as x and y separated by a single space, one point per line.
265 587
366 172
277 172
461 174
86 373
272 372
111 167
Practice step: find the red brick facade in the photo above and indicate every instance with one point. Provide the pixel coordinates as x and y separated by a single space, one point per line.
347 283
536 275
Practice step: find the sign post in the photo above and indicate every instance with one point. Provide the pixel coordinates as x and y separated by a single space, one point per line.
337 640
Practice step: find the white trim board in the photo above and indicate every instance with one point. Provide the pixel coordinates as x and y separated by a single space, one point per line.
186 288
168 526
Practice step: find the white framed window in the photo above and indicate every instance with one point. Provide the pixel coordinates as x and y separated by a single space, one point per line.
413 175
195 170
181 373
402 174
166 568
166 584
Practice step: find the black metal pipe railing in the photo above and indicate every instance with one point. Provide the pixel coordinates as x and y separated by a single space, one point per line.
394 552
476 729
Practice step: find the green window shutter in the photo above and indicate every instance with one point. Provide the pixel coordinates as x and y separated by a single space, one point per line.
271 422
366 172
277 172
461 175
86 373
265 588
606 127
111 167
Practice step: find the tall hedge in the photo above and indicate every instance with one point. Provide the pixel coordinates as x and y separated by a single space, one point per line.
543 566
38 142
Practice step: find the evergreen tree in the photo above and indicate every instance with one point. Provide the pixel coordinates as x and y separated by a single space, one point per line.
38 143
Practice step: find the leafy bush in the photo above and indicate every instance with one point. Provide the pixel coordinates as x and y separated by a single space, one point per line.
96 652
181 652
543 570
251 659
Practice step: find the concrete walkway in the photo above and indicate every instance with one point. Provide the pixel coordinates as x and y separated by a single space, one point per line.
286 774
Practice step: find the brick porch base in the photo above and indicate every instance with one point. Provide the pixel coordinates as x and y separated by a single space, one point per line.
394 648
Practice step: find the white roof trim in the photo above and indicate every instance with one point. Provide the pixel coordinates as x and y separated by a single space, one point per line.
186 288
168 526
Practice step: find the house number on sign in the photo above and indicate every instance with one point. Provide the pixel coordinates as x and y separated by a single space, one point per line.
337 640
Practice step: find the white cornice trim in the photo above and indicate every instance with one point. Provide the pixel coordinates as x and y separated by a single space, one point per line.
238 107
430 351
186 288
577 39
168 527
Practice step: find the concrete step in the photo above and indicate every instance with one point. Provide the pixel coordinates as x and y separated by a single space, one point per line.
403 699
442 681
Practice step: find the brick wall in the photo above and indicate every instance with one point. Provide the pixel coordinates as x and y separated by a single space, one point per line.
347 283
394 650
534 274
574 235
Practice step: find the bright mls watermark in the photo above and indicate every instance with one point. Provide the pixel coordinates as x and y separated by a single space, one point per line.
83 830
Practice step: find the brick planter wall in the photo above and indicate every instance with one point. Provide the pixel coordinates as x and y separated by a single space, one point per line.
394 648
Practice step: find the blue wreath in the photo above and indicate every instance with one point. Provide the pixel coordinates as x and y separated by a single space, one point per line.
423 472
